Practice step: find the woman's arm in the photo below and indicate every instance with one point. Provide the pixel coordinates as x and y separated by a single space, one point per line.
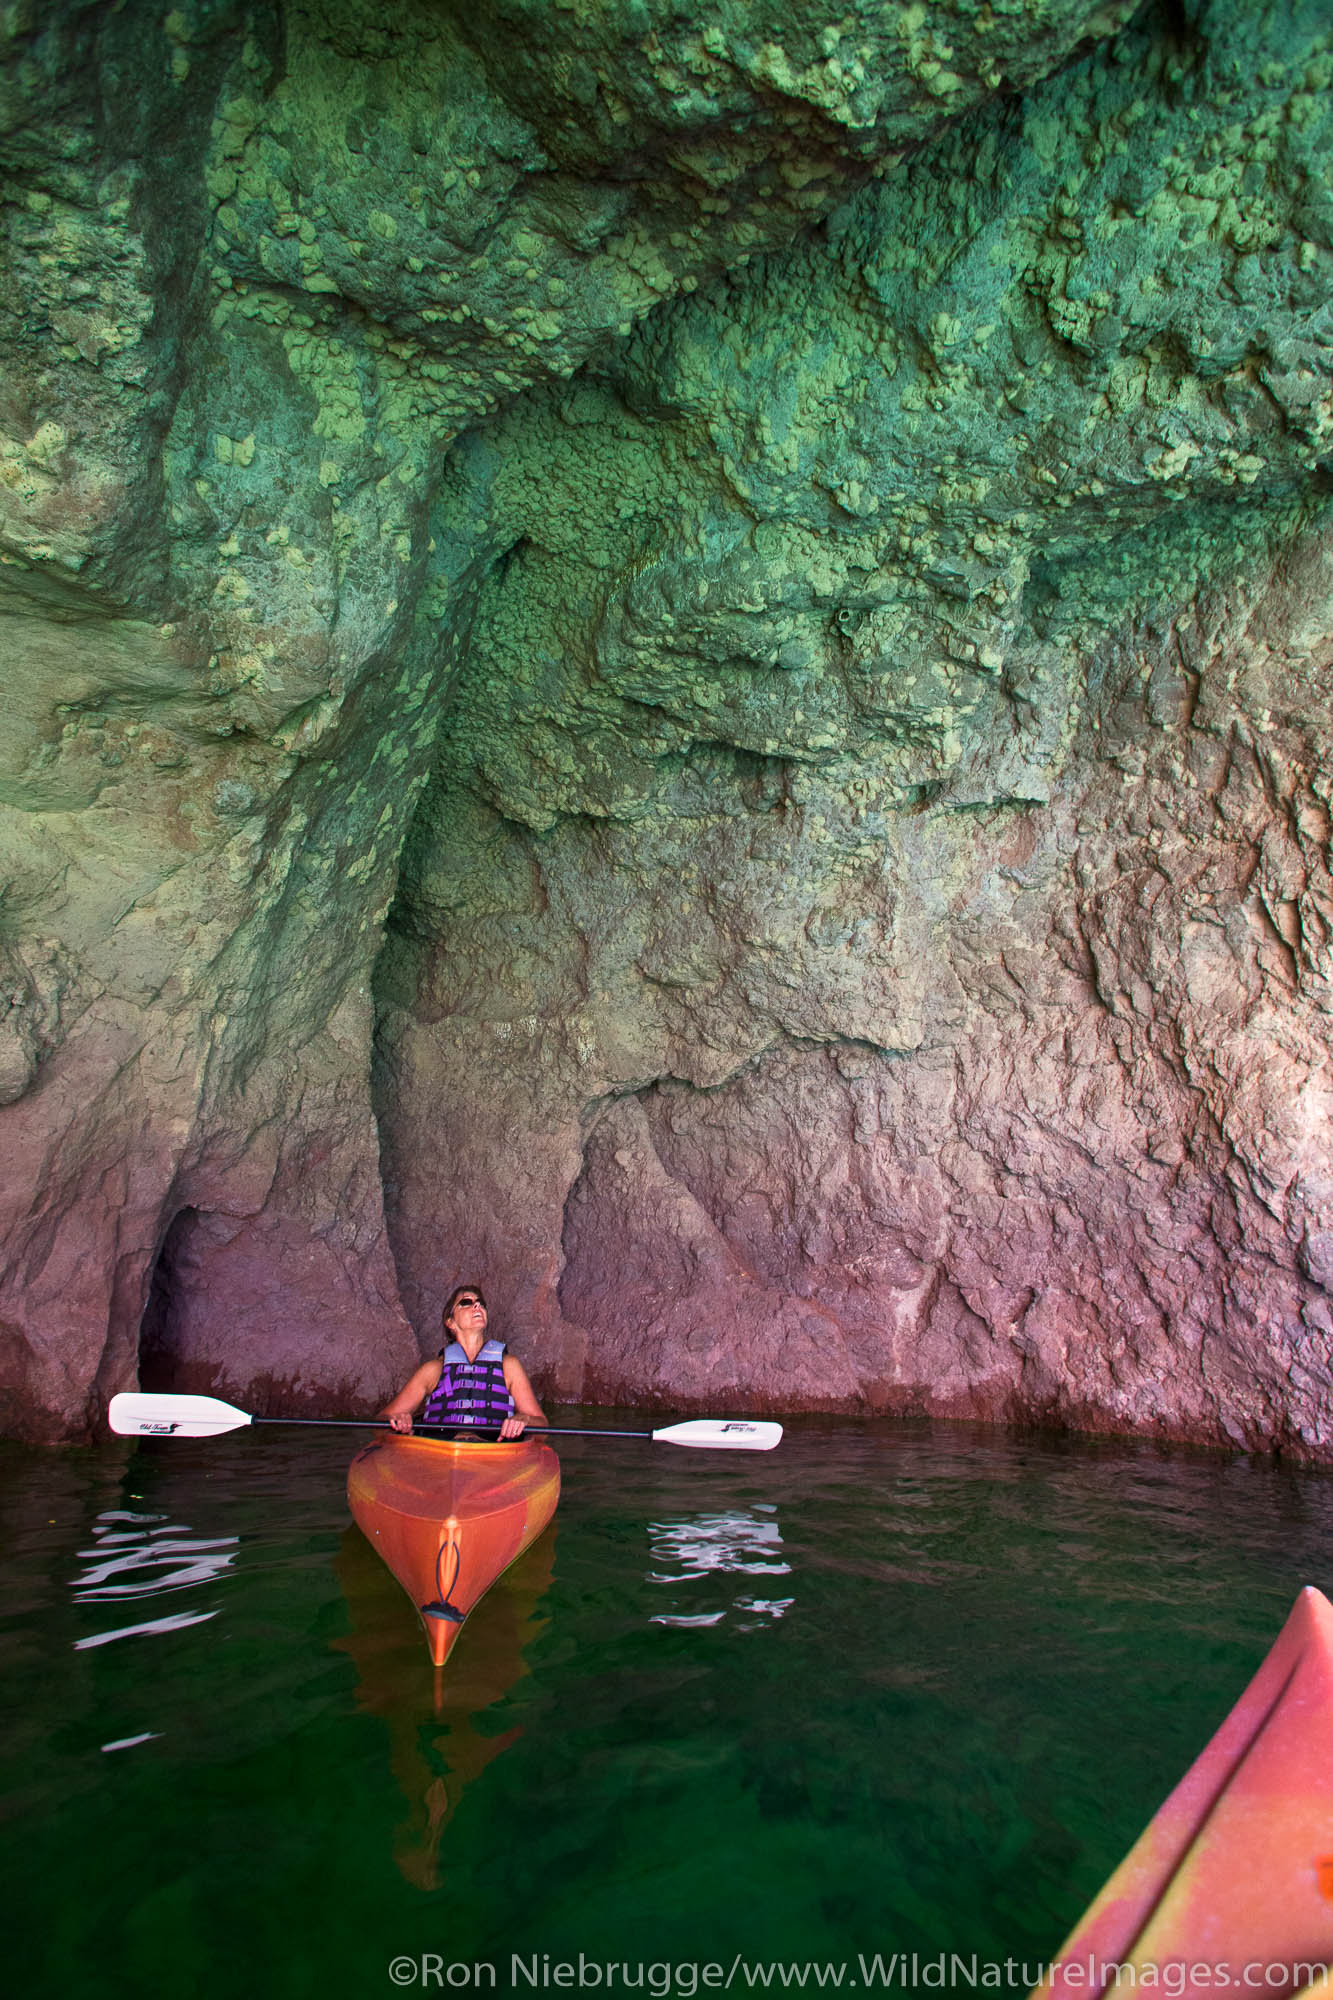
399 1411
527 1410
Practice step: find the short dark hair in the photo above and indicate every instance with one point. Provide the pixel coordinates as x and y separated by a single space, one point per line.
453 1298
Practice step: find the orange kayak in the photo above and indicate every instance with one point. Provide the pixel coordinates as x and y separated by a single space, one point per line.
449 1517
1231 1884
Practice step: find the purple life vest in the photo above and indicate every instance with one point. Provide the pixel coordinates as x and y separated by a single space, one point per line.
470 1392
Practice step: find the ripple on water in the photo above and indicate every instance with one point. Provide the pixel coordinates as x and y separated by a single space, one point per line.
138 1556
704 1550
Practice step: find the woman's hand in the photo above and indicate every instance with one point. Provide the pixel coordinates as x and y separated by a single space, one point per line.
527 1410
399 1411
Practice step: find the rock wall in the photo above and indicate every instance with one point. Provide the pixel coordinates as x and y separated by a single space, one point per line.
748 592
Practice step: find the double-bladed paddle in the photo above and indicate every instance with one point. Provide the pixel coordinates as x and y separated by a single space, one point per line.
137 1413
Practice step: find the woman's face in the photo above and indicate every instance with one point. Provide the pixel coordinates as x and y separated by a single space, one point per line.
468 1315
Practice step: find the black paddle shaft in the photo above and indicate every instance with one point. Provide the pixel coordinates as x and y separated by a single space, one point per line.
481 1431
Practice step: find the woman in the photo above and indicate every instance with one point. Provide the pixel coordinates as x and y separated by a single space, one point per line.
472 1381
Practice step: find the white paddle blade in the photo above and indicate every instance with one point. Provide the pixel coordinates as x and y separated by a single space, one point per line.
722 1434
138 1414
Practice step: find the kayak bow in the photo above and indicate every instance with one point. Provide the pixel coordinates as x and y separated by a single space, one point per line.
1236 1869
449 1516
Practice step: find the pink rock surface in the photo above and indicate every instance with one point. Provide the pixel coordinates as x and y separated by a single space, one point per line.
1068 1158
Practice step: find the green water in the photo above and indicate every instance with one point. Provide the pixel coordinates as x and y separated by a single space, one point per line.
890 1689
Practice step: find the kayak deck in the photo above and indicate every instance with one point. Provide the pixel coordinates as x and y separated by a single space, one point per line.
448 1517
1236 1869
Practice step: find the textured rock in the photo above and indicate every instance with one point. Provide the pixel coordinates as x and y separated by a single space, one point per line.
857 985
753 586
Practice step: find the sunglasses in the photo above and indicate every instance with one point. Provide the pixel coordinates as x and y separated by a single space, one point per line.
468 1300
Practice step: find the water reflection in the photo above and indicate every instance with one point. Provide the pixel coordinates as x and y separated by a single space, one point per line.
145 1555
438 1739
703 1547
1063 1628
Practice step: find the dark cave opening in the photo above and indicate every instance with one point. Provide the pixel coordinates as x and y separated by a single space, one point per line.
162 1364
